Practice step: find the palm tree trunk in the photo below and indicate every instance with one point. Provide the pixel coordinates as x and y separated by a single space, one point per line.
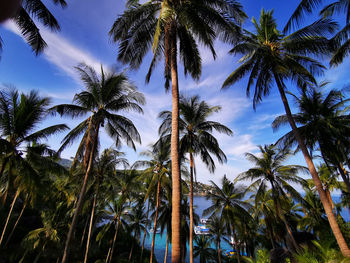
83 235
81 198
175 165
17 221
191 207
132 248
145 231
155 221
281 215
90 226
323 197
110 254
8 216
237 247
270 231
166 246
219 251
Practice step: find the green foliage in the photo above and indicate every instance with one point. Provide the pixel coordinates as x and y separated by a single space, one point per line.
320 253
262 256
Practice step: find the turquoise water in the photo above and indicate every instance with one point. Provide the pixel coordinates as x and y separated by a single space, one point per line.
200 204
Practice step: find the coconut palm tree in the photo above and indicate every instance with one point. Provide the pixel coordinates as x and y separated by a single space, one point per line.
20 114
158 168
165 218
271 57
322 121
105 97
269 169
203 250
340 40
29 12
314 219
196 138
168 28
227 204
217 230
264 207
104 169
120 197
136 222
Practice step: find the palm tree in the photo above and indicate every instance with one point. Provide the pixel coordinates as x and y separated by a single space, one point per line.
196 139
314 219
228 205
271 57
19 116
341 41
28 13
217 229
165 218
168 28
323 122
125 185
203 250
269 169
105 96
105 168
264 206
158 170
137 221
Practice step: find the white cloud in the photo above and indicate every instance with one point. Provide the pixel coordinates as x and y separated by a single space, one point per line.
263 121
231 171
235 147
60 51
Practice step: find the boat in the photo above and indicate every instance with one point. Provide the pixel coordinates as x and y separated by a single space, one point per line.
157 230
201 230
204 221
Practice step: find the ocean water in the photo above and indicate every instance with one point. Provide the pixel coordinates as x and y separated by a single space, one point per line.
200 204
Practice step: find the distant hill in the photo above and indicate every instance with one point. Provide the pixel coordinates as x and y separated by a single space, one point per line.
201 189
65 162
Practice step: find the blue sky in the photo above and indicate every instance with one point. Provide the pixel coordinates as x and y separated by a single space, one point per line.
84 38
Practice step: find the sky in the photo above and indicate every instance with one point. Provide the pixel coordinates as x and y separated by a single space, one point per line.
84 38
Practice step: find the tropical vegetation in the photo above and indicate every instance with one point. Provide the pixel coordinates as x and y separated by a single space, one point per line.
106 205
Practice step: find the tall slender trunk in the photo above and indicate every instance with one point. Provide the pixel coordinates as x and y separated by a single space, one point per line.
281 215
145 231
110 253
83 235
175 165
166 246
40 253
9 216
237 247
81 197
323 197
219 251
270 231
132 248
91 224
191 207
155 221
17 221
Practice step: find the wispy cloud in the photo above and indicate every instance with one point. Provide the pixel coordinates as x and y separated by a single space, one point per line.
263 121
221 51
60 51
